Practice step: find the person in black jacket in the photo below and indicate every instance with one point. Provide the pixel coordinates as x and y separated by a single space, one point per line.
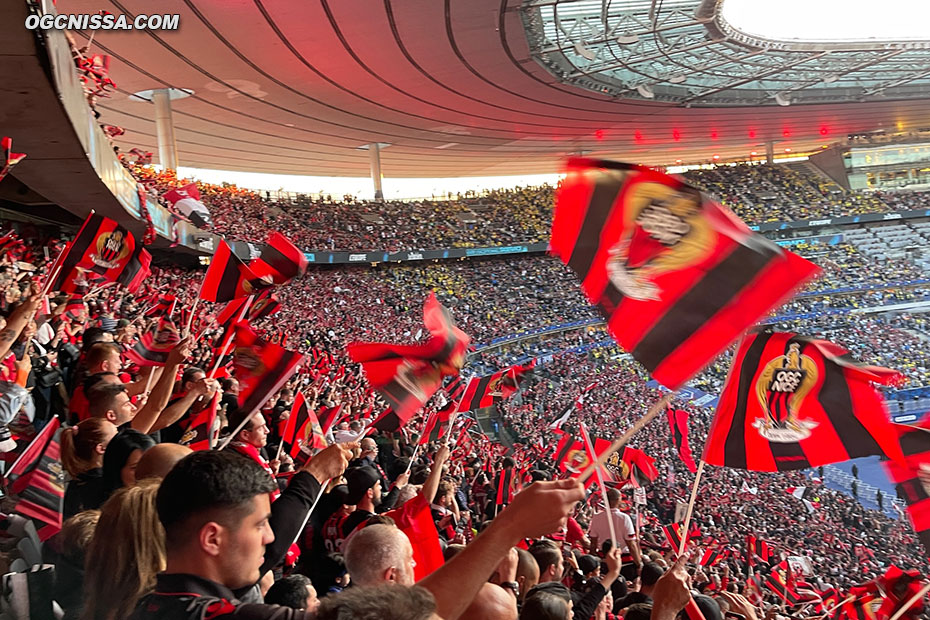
82 449
222 534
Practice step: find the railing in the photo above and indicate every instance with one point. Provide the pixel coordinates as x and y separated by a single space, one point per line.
865 493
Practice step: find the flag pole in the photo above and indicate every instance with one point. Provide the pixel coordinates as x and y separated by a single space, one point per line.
417 448
148 382
600 483
687 522
277 456
310 512
190 318
219 359
903 609
622 441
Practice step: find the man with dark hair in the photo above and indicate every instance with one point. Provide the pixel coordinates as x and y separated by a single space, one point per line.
294 591
219 523
548 559
193 394
649 575
110 401
379 603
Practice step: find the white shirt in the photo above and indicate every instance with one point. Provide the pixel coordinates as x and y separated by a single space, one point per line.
623 526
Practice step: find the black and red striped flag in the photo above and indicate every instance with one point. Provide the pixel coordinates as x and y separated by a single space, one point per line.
105 248
155 344
262 368
198 434
455 388
678 425
673 535
265 305
899 587
328 416
678 276
389 422
481 392
164 306
777 584
911 479
228 277
859 608
756 547
302 428
641 466
504 494
792 402
437 425
406 376
280 260
713 556
37 478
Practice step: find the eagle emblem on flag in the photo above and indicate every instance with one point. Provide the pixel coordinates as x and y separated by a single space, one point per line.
665 229
781 388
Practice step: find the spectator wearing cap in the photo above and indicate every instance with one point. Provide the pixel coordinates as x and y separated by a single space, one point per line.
364 485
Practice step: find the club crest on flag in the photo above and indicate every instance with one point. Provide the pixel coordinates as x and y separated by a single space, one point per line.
56 476
667 232
249 358
188 436
111 250
618 466
577 460
781 388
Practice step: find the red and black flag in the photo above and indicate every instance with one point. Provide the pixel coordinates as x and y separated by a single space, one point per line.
792 402
327 417
280 260
678 425
504 487
776 583
262 368
198 435
389 422
228 277
302 428
673 535
37 478
713 556
912 479
486 391
756 547
164 306
406 376
641 466
677 276
103 247
437 425
900 586
10 158
565 449
455 388
265 305
156 343
859 608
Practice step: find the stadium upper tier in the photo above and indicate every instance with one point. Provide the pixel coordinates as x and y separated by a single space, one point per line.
757 193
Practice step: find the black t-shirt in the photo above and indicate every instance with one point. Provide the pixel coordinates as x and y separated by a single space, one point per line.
354 520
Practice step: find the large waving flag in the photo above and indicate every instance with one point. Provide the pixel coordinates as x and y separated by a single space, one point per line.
107 249
37 478
262 368
408 375
793 402
280 260
678 276
437 425
303 428
198 434
228 277
912 478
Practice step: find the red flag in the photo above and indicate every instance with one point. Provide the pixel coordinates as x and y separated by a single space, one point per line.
10 158
504 493
911 480
186 201
792 402
437 425
302 428
280 260
640 465
678 425
262 368
777 584
198 434
103 247
673 535
228 277
407 375
678 276
486 391
415 520
37 477
156 343
164 306
899 587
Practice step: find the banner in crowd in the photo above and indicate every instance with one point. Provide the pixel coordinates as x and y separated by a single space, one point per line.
678 276
792 402
186 200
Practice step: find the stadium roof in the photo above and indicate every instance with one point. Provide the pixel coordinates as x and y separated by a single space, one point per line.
466 87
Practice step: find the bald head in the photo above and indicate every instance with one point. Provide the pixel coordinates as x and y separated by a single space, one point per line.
380 554
493 603
158 460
